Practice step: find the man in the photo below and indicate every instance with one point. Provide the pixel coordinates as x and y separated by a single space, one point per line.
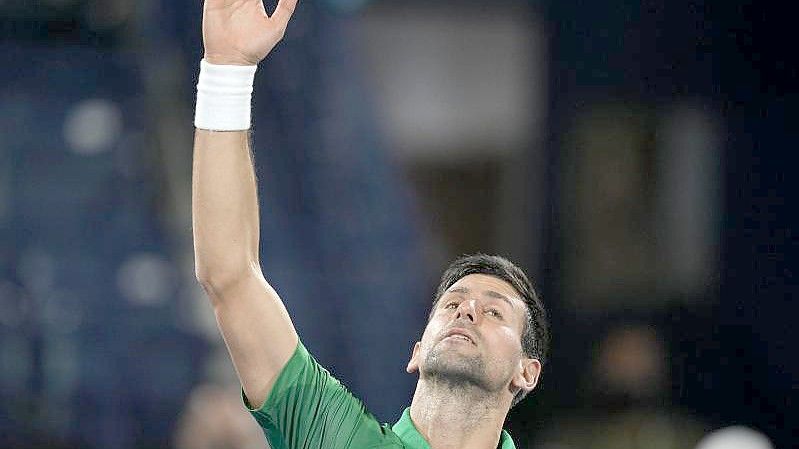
481 351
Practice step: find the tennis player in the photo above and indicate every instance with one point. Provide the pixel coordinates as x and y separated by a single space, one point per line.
483 346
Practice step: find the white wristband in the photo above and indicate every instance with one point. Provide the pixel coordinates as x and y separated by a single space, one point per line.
224 95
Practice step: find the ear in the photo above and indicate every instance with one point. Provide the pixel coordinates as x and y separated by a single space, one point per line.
526 378
413 364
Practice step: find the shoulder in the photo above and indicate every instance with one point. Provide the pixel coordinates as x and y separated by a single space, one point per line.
308 407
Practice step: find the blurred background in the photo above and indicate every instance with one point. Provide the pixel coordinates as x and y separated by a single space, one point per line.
633 157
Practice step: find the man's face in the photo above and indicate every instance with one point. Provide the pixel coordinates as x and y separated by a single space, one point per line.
473 338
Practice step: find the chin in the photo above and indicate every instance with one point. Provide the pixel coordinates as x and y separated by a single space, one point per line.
457 369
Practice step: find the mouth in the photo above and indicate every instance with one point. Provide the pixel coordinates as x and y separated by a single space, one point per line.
459 335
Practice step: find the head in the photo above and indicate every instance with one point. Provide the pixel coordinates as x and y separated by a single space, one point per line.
487 329
629 366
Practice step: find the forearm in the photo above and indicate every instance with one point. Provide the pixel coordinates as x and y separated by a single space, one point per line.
224 209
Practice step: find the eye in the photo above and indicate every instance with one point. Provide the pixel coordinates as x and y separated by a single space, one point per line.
451 305
495 313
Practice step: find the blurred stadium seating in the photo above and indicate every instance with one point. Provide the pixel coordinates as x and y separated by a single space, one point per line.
96 345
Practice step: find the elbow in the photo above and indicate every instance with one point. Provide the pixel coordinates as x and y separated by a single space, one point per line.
217 282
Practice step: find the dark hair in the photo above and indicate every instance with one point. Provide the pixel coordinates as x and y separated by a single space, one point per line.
535 335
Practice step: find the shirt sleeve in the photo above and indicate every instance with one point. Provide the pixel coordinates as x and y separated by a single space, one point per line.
309 408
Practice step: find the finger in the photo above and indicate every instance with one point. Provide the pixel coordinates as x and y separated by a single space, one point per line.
284 10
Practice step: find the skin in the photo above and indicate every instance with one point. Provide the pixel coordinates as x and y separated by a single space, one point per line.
464 390
225 209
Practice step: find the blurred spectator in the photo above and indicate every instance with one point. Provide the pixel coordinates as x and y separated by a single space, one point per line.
214 418
735 437
627 387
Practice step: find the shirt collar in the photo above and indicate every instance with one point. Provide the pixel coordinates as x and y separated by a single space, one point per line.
412 439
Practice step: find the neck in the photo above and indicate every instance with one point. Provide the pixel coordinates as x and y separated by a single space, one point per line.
457 417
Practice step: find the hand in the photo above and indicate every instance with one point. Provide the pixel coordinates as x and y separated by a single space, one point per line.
240 32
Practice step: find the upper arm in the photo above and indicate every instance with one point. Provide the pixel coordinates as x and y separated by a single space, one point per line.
257 331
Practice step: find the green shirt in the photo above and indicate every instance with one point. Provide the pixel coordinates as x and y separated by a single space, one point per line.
308 408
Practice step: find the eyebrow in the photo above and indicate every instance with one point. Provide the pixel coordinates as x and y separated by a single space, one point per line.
490 293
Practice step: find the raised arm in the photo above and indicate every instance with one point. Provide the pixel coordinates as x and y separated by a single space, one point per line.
254 323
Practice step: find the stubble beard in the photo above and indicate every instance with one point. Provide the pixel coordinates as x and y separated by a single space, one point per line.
458 372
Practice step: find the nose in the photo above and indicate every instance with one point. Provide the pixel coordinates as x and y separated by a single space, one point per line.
467 310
